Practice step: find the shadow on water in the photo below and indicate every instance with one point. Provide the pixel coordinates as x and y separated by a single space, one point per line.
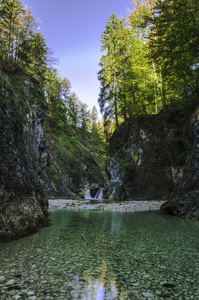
104 255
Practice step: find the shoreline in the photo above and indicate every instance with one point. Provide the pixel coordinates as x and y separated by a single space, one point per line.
125 206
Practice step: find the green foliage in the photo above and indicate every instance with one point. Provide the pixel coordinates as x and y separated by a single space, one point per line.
150 60
22 46
128 82
25 76
174 41
127 160
111 62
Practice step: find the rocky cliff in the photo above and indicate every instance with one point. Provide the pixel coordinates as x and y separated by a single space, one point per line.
146 157
72 169
154 157
32 170
184 200
23 203
157 157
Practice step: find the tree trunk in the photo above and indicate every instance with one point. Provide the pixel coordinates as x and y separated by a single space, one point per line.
115 105
124 111
163 96
155 88
10 41
133 94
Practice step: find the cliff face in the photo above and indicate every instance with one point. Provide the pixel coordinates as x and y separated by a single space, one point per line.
184 200
65 165
23 204
72 169
157 157
146 157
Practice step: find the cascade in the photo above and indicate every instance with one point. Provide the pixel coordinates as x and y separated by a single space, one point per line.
88 195
98 196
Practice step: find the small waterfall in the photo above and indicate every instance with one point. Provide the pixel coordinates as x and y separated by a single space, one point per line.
98 195
88 195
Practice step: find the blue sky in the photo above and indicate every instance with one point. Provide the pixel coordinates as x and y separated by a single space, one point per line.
72 29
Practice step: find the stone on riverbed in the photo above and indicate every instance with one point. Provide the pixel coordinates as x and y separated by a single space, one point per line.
125 206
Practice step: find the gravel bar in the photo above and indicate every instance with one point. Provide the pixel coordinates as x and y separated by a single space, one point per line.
128 206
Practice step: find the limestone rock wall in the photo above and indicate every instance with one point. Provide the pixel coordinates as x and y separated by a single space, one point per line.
147 156
184 200
157 157
23 203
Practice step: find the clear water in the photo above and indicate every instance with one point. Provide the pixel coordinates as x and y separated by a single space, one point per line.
103 255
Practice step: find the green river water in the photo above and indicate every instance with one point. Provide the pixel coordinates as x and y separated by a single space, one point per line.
96 255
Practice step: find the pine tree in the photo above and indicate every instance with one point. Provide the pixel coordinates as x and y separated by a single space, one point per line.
22 46
94 118
110 68
73 108
83 116
10 16
174 40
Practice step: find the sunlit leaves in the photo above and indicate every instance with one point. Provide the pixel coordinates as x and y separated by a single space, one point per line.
174 40
111 62
22 46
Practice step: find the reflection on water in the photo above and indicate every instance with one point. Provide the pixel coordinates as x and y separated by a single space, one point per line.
103 255
95 288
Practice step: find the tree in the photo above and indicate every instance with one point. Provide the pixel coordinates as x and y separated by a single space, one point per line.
10 13
110 68
83 116
22 46
174 40
72 106
130 83
148 78
65 89
94 118
57 110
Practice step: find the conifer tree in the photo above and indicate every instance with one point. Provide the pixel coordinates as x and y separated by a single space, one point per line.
174 44
110 68
10 17
94 118
22 46
83 116
72 107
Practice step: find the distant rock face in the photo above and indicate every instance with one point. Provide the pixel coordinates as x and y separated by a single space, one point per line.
35 141
147 156
72 172
23 204
184 201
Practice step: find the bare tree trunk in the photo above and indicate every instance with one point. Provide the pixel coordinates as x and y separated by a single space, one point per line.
10 41
133 94
155 88
115 105
125 114
163 96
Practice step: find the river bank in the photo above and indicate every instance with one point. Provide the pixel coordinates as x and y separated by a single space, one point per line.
128 206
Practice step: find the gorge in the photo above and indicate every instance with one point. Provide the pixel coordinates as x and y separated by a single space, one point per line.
149 158
99 206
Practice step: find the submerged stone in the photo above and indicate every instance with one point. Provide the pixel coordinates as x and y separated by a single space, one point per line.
107 252
147 295
10 282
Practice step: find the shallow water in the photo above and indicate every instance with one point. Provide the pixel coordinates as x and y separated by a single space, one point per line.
103 255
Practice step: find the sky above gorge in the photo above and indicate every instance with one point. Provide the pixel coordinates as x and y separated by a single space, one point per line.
72 30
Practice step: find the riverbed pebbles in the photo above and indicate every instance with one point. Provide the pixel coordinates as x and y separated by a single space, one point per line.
69 260
126 206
